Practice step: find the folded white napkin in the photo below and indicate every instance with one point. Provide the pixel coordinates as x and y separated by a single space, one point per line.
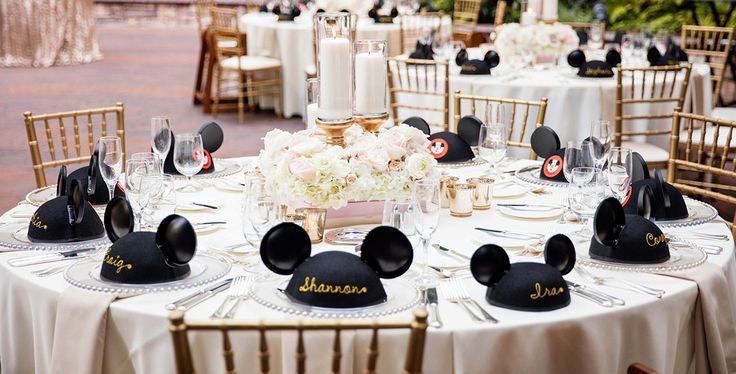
79 332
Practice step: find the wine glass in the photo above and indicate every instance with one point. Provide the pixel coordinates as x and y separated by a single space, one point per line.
163 203
160 137
426 219
262 213
111 161
492 145
153 157
585 195
254 184
188 158
620 168
136 187
577 154
601 134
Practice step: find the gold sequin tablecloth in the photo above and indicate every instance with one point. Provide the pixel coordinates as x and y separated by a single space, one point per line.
47 32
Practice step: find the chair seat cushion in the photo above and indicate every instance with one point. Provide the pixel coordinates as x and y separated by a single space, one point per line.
250 63
227 43
725 113
709 135
650 152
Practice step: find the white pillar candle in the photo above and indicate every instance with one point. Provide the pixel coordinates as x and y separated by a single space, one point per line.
534 6
370 83
549 10
335 98
528 18
312 110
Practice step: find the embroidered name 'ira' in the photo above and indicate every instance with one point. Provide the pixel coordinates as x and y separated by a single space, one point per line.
539 293
311 285
35 221
117 262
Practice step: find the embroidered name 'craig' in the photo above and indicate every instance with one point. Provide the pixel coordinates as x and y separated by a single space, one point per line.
117 262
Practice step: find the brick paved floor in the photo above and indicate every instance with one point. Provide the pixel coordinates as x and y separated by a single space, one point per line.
150 69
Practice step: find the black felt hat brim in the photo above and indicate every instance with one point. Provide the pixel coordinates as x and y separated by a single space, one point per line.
101 196
516 289
50 224
640 242
147 263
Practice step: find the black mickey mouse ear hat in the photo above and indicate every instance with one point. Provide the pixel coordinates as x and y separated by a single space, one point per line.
461 57
119 218
559 252
212 136
613 58
387 251
284 247
644 202
545 141
447 147
492 59
608 222
661 197
640 170
93 170
418 123
468 128
576 58
653 56
76 202
177 240
489 264
61 181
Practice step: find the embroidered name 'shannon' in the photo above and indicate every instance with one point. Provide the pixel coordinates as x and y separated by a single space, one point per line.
311 285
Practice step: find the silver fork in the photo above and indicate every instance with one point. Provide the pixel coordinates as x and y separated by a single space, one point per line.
451 294
465 296
242 295
51 270
620 283
232 294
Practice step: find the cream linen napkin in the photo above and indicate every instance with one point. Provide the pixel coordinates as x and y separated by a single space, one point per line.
79 332
715 330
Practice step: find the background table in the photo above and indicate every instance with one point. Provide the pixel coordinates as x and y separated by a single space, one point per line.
583 337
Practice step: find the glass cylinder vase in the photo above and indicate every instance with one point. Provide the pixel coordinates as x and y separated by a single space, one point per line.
369 91
334 67
311 102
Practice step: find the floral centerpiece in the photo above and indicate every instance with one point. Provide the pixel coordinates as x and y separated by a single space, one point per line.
301 168
360 7
543 41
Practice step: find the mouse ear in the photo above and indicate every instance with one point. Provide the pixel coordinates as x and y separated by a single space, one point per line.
93 172
545 141
284 247
387 251
489 263
653 55
373 13
462 57
394 12
176 239
660 193
576 58
608 222
644 202
468 128
418 123
76 200
61 181
212 136
119 218
639 168
559 252
613 58
492 59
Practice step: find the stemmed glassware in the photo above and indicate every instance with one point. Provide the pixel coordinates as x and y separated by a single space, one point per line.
111 161
493 137
585 195
620 168
164 202
160 137
426 219
188 158
154 158
262 209
254 184
577 154
139 187
601 135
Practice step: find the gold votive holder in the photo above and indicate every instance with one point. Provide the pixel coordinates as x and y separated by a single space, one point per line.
314 222
483 192
294 218
445 182
371 124
461 199
335 131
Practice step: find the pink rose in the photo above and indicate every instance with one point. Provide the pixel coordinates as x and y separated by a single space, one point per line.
394 165
303 169
362 155
351 178
394 146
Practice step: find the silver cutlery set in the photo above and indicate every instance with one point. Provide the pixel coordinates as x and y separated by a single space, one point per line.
238 289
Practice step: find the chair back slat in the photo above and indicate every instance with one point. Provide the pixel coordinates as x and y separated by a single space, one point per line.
417 27
519 113
412 363
713 43
405 86
55 122
201 12
706 173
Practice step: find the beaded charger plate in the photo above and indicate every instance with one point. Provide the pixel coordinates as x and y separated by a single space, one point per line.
41 195
530 174
223 168
476 161
401 295
698 213
205 268
15 238
682 257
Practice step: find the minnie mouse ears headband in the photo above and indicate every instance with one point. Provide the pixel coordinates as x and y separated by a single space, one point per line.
175 236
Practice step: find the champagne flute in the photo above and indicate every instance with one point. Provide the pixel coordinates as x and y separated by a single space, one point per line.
111 161
426 219
620 168
160 137
188 158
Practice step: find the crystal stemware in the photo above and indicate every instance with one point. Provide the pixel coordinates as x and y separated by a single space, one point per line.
426 219
188 158
601 134
163 203
492 145
585 195
136 186
160 137
111 161
620 168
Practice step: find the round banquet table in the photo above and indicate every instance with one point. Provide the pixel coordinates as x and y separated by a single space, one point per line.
583 337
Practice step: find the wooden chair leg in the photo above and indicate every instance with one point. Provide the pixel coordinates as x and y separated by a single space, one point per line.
200 71
279 83
241 94
216 101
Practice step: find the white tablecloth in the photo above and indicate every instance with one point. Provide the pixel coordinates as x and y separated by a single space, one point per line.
583 337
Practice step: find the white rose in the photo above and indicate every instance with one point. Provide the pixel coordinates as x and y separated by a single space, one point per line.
417 165
379 159
307 146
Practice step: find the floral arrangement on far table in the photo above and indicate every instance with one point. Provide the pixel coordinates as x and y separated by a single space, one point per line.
541 40
299 167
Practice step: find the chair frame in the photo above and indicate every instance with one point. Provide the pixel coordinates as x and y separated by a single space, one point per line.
654 98
409 33
185 365
39 165
717 157
708 41
465 14
406 65
541 113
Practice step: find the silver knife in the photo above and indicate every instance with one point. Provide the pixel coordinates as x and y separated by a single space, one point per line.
451 251
582 291
197 297
46 258
434 313
511 234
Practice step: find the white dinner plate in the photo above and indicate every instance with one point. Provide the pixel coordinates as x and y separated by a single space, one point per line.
530 214
509 189
482 238
229 185
191 207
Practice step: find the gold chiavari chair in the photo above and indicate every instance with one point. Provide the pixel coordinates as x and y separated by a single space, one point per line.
245 73
712 43
412 363
311 70
708 143
419 80
201 13
500 13
464 19
54 123
417 27
519 112
651 89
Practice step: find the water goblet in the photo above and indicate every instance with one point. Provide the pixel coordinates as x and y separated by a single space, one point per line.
160 137
620 168
426 219
135 186
111 161
585 195
188 158
492 145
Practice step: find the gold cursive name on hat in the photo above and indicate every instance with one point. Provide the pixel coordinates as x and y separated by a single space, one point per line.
468 68
311 285
117 262
36 222
539 293
653 240
597 71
